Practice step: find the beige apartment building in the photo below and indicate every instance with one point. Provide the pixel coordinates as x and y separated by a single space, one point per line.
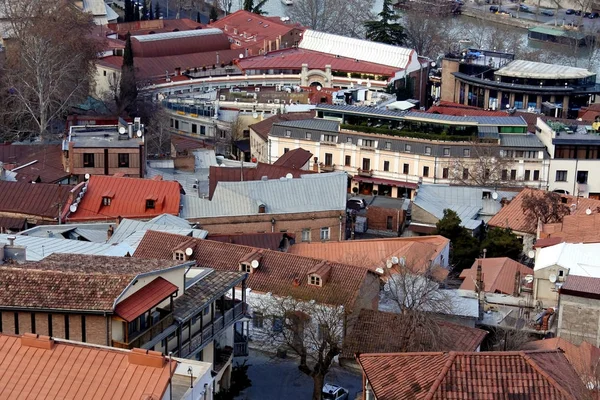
394 165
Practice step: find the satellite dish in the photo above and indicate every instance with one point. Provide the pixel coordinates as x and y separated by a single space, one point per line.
529 278
379 270
73 208
87 176
188 251
289 175
388 264
386 287
394 260
319 88
139 133
552 278
241 55
403 261
531 254
254 115
495 196
588 211
368 84
359 82
254 264
122 130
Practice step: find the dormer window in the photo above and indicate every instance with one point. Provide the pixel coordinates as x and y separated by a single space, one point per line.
106 201
179 256
314 280
150 204
244 267
262 209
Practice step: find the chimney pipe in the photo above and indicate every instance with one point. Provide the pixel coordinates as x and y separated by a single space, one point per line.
218 59
11 240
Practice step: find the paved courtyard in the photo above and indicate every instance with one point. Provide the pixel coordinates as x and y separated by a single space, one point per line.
279 379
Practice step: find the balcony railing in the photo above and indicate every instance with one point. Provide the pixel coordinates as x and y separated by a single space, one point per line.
365 172
138 339
327 168
206 334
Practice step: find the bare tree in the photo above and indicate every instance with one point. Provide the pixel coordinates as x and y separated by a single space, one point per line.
158 132
506 339
46 71
343 17
314 332
484 167
429 35
421 301
546 207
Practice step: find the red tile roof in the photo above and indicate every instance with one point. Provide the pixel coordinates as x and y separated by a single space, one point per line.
129 196
253 29
585 358
34 367
271 171
295 57
498 275
533 375
45 162
581 228
295 158
546 242
267 240
263 128
581 285
512 215
144 299
378 331
39 199
276 273
38 289
419 252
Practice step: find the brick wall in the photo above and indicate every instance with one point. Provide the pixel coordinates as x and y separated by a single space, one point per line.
41 324
8 322
75 327
95 329
58 326
291 223
185 163
368 297
377 218
24 322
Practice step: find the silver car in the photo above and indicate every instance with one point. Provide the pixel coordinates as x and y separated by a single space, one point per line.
334 392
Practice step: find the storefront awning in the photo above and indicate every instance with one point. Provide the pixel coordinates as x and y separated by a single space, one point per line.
388 182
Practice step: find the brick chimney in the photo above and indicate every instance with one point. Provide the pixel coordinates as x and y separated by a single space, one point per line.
110 232
37 341
147 358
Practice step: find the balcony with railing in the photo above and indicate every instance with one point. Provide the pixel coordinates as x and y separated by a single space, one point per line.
223 318
140 337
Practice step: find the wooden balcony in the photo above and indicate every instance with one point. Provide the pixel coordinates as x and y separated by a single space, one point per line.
208 331
327 168
138 339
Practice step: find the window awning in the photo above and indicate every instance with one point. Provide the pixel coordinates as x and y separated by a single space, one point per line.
144 299
388 182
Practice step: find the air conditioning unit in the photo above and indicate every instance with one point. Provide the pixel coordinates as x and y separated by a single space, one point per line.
222 97
257 89
276 101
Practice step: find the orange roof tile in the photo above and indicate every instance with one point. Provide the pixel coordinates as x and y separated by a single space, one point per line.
377 331
129 198
276 273
585 358
418 252
579 228
512 215
498 274
144 299
41 368
533 375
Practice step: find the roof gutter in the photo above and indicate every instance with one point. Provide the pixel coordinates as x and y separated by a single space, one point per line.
56 310
24 165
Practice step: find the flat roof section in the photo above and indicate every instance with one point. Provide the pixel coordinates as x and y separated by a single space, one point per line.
537 70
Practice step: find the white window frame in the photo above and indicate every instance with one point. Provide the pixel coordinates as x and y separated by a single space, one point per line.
325 233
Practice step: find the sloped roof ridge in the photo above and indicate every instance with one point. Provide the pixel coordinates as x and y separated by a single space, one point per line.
438 380
543 372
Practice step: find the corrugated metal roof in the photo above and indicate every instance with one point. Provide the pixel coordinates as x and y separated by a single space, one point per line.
168 219
580 259
361 110
178 35
314 192
512 140
40 199
359 49
38 248
466 201
131 231
313 124
538 70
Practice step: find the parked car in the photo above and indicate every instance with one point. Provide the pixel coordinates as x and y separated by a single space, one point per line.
586 15
356 203
523 7
570 11
334 392
594 15
548 13
578 12
494 9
